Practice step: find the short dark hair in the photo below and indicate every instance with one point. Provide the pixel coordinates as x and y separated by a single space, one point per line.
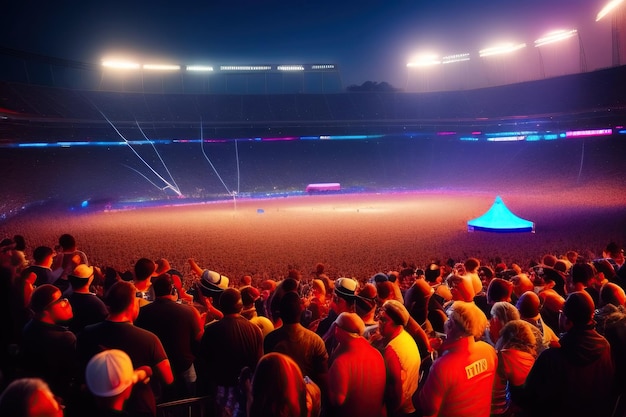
144 268
67 241
120 296
41 253
162 285
290 308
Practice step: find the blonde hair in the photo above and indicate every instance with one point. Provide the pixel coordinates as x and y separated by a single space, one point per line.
278 388
505 312
469 318
517 335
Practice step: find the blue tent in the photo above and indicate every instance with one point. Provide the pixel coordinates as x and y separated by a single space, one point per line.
500 219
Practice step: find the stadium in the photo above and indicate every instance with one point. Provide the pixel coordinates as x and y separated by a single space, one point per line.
267 170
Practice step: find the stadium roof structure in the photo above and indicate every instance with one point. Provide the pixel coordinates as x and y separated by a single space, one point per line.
500 219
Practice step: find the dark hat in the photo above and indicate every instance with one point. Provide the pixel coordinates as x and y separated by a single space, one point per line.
230 301
552 274
366 298
42 297
346 288
579 308
379 277
249 295
212 283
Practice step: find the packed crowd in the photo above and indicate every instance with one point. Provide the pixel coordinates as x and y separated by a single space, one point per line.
448 338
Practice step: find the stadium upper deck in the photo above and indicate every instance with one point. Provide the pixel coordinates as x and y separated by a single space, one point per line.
35 113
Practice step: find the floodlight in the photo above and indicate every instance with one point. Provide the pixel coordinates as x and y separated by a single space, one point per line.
322 66
608 8
245 68
161 67
427 60
555 36
120 64
290 68
449 59
501 49
199 68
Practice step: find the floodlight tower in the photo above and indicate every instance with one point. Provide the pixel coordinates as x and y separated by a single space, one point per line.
615 9
558 36
501 49
424 63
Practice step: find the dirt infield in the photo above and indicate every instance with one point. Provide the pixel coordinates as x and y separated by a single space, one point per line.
353 235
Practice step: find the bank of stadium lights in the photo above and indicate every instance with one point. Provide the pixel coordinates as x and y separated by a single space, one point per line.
161 67
199 68
290 68
245 67
555 36
432 60
121 64
608 9
322 67
450 59
501 49
426 60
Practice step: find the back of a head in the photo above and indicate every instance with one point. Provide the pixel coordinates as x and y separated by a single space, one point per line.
432 272
582 273
499 290
230 301
504 312
278 388
528 305
67 242
41 253
162 285
144 268
517 335
471 264
120 296
468 318
28 397
579 308
549 260
290 308
384 289
611 293
366 299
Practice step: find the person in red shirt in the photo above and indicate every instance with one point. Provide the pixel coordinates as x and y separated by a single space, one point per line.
461 379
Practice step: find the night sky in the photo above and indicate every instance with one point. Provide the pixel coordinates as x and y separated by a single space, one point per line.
369 40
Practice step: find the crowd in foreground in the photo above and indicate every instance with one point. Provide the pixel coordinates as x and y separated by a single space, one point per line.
449 339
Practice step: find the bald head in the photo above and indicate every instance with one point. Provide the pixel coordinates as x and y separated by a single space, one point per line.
612 294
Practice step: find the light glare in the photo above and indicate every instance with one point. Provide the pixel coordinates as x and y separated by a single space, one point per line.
120 64
161 67
556 36
426 60
199 68
608 8
501 49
